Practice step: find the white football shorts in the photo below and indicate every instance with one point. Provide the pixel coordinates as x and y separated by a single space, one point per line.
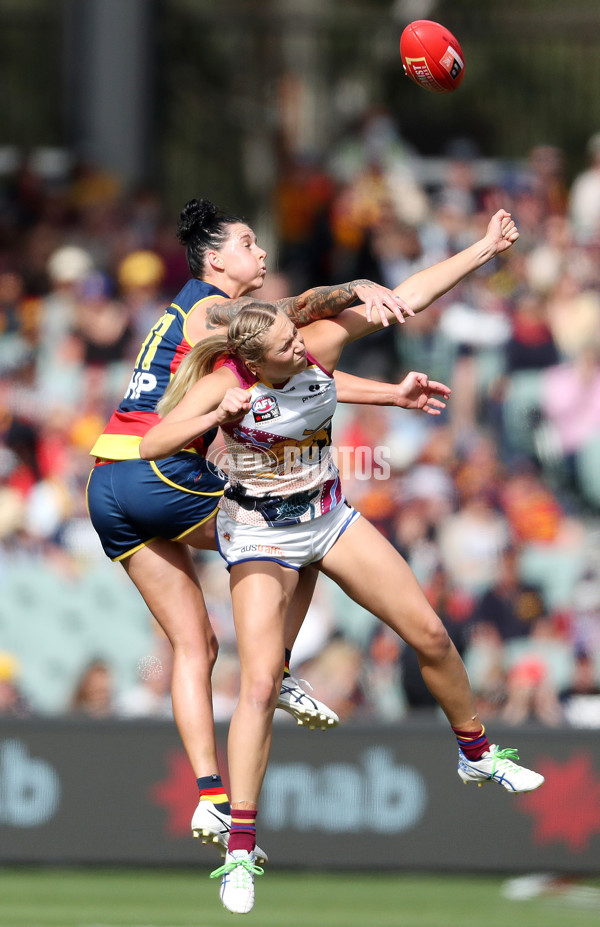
293 546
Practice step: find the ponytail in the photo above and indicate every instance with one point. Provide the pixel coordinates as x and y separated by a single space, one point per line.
198 363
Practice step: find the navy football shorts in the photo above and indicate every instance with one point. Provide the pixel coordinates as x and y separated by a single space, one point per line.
132 502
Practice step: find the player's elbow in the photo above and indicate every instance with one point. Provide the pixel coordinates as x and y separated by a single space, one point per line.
147 452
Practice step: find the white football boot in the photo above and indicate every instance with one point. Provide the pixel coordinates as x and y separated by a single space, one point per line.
498 765
307 711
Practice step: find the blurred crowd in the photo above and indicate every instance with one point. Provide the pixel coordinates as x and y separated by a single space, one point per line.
495 504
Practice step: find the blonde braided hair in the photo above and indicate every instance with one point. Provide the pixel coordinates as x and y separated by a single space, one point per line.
244 339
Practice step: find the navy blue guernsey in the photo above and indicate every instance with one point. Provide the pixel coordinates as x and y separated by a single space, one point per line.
160 355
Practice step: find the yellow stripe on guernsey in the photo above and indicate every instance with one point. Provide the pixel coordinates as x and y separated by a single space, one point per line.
188 314
117 447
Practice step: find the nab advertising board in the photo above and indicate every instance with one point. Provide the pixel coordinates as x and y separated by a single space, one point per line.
109 792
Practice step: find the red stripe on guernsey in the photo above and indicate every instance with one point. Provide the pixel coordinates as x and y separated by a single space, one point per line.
130 423
138 423
183 348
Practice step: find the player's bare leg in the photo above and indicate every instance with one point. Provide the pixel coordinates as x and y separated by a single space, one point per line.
164 574
261 592
307 710
374 574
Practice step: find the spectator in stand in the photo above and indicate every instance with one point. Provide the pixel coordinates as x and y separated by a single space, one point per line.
510 605
336 673
12 702
585 617
531 344
550 258
17 323
374 175
573 313
302 199
471 540
547 177
140 277
382 678
93 696
581 699
471 544
103 323
571 403
12 502
531 694
533 512
67 267
584 198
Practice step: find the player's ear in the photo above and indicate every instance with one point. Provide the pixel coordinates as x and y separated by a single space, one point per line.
215 260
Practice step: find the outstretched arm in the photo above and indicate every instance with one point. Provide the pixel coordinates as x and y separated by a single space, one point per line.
325 339
415 391
323 302
425 287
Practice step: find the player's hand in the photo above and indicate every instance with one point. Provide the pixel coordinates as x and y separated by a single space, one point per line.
502 231
381 300
417 391
233 406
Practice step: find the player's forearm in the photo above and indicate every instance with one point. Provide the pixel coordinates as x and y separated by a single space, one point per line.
364 392
323 302
168 437
424 287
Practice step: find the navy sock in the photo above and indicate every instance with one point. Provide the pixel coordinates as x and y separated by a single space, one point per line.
286 668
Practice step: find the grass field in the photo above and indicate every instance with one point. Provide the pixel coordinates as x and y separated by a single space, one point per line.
175 898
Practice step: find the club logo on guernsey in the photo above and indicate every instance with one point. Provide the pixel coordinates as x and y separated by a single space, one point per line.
265 408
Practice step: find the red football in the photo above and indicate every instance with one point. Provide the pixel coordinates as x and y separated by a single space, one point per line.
432 56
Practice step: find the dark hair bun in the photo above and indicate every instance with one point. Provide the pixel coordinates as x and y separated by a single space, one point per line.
195 217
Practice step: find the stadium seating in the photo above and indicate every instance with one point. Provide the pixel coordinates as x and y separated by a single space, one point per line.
56 624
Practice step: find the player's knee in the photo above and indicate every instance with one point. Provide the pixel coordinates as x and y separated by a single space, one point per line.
197 653
262 692
435 641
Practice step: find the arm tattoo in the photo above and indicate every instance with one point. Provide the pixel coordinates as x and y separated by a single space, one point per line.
322 302
220 313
